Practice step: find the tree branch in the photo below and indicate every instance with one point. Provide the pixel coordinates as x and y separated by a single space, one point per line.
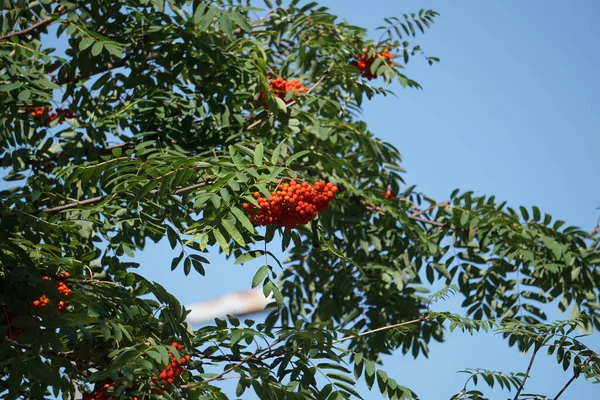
576 374
53 353
535 350
415 216
208 181
39 25
383 328
243 361
103 68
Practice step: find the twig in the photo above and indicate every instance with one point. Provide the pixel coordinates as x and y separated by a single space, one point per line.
39 25
319 81
101 150
535 350
208 181
575 374
413 216
52 353
105 67
243 361
383 328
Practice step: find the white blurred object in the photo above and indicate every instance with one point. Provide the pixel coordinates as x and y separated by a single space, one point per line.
232 303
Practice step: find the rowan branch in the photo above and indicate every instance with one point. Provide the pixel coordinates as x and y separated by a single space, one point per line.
243 361
535 350
103 68
576 374
383 328
208 181
38 25
53 353
415 216
39 162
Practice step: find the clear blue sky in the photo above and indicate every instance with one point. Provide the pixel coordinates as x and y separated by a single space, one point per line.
511 110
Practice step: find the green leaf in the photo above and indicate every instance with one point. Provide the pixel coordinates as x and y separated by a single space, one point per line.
276 152
278 296
97 48
116 51
296 156
243 218
85 43
281 106
10 86
241 21
259 155
221 240
199 13
249 256
260 275
233 232
207 19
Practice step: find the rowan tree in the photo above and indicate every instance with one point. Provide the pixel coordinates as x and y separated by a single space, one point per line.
235 126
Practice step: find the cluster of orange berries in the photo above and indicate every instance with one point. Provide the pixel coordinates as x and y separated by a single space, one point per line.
102 393
364 63
280 87
175 367
291 204
61 113
63 290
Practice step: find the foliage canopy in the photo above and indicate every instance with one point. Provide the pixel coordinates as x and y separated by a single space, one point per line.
160 118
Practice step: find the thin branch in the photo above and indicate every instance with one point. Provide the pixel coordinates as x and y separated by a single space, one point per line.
575 374
383 328
39 162
53 353
319 81
416 213
103 68
414 216
535 350
243 361
39 25
208 181
427 221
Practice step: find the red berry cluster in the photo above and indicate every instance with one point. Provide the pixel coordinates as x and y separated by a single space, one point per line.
388 193
101 393
364 63
175 367
11 331
62 289
280 87
61 113
291 204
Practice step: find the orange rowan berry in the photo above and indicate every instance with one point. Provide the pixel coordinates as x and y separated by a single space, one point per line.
388 193
364 63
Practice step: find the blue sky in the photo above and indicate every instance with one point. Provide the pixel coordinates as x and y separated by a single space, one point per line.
512 110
